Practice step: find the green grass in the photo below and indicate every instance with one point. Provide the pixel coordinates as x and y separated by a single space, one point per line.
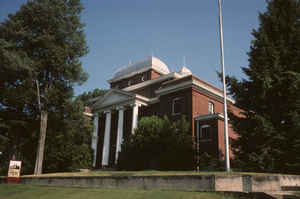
19 191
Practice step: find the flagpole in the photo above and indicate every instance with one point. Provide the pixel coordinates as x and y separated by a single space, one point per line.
227 159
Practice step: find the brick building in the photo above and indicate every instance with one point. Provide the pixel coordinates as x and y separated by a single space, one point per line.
148 88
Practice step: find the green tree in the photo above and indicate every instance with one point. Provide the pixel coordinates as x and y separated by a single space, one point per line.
89 97
40 50
68 139
269 131
158 144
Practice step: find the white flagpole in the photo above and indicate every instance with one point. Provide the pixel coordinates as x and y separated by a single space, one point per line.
227 159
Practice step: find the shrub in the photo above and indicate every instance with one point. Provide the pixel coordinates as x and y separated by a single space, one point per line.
158 144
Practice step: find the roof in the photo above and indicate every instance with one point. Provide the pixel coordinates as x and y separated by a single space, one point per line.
132 69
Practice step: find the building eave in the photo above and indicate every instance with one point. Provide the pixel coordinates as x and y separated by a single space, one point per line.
152 81
193 83
219 116
126 99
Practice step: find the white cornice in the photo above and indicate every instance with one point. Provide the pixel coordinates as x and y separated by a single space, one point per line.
211 90
115 97
193 83
154 100
209 116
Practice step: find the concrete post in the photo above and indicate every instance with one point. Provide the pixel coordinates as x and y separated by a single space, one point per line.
105 153
95 138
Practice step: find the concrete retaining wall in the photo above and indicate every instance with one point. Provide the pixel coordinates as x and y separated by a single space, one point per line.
289 180
265 183
228 183
195 182
218 182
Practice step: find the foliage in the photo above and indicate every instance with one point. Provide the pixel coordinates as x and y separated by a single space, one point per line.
68 142
43 43
158 144
269 129
209 163
88 97
67 147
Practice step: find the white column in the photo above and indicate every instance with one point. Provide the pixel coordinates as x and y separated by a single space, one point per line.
95 138
120 132
105 152
135 112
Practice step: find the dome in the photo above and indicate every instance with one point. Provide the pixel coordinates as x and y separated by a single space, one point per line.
142 66
185 71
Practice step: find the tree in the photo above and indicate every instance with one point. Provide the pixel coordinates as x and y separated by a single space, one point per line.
270 96
40 47
69 139
89 97
158 144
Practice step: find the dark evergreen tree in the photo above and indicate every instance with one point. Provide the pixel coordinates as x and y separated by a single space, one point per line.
89 97
40 47
269 132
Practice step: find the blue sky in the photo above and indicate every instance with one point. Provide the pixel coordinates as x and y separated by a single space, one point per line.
121 30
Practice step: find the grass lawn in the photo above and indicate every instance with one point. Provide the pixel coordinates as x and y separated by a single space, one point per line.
19 191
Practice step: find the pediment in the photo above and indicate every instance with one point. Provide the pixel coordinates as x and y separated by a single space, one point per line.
113 97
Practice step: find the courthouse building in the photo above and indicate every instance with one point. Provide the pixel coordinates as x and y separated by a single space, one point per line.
148 88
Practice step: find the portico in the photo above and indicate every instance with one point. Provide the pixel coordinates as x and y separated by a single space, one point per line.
114 102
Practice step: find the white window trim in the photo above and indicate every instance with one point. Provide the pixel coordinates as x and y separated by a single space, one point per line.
211 105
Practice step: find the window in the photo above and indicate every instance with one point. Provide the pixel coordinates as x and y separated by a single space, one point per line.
205 132
177 106
129 82
211 108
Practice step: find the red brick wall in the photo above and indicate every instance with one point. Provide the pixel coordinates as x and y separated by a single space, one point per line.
166 103
154 74
200 107
200 103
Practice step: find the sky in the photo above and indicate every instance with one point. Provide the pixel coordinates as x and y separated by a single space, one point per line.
123 31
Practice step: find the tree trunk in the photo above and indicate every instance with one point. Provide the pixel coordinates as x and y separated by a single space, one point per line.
40 150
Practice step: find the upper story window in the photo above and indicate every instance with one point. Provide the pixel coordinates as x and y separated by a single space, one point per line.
211 108
177 106
205 132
